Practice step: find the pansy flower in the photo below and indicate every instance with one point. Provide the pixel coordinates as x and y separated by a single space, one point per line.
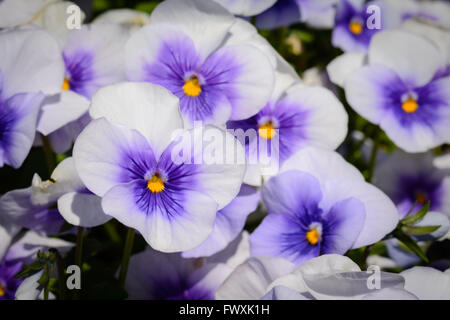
93 58
295 117
188 49
351 31
397 91
148 175
342 66
320 204
29 68
412 181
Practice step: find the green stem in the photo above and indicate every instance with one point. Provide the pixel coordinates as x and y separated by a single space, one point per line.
373 155
79 248
126 256
61 278
50 157
363 262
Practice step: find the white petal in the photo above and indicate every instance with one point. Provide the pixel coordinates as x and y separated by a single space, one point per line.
147 108
60 110
427 283
83 210
404 53
341 67
246 8
204 21
250 280
65 179
327 119
31 62
30 289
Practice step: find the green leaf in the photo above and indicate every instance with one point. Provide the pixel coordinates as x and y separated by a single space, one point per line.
419 231
410 244
419 215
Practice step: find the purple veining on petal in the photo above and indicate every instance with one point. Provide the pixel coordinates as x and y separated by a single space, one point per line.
80 72
429 101
345 14
421 187
291 119
178 61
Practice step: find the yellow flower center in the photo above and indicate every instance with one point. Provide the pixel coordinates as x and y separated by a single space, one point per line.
155 184
410 105
2 291
66 84
421 198
267 130
355 27
192 87
313 236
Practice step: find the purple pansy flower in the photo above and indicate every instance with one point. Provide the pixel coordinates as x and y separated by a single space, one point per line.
129 156
320 204
29 68
188 49
93 58
397 90
351 31
300 115
411 181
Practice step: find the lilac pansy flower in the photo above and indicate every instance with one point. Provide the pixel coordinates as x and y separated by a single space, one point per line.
351 31
129 155
397 90
18 252
342 66
411 181
93 58
188 49
320 204
229 223
30 67
300 115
